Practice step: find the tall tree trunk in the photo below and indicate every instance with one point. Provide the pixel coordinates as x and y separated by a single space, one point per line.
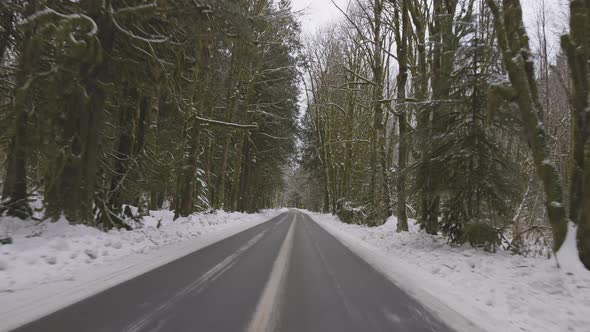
14 192
402 78
200 99
577 48
348 161
516 54
7 27
94 75
72 192
222 176
232 97
245 176
423 115
444 48
235 189
378 138
430 214
143 123
158 187
122 155
208 164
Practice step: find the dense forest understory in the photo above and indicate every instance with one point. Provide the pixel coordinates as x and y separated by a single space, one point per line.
443 112
435 110
189 105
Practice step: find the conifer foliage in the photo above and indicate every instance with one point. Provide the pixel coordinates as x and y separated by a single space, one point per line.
441 111
189 105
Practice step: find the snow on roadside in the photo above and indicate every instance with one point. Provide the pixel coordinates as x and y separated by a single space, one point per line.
51 265
496 292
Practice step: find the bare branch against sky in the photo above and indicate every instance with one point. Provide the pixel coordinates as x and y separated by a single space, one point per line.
315 13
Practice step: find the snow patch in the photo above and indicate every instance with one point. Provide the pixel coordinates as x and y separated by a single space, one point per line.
473 290
568 257
50 265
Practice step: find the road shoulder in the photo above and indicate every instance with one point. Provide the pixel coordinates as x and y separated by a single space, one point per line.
413 285
30 304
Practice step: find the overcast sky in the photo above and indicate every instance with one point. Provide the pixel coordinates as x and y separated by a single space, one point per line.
315 13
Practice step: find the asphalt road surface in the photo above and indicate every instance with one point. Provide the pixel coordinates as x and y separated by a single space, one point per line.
287 274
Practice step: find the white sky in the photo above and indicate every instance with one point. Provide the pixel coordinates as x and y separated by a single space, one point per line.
315 13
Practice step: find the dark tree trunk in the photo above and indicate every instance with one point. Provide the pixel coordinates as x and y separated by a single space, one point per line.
239 164
577 48
244 177
187 185
7 28
222 176
378 137
524 93
122 156
14 192
200 100
402 41
232 99
142 125
422 115
73 192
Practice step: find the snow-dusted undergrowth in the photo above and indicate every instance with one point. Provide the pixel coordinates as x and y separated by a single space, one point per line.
51 265
497 292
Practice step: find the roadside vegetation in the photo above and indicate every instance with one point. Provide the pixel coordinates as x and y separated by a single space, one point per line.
453 114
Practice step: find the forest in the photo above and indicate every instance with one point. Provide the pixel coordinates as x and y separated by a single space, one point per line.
185 105
453 113
449 112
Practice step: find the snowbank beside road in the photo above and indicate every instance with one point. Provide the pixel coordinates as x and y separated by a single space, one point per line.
51 265
497 292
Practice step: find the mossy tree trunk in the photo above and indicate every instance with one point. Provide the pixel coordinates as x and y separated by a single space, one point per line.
14 191
576 46
379 205
201 105
132 128
514 44
423 114
231 99
7 26
402 78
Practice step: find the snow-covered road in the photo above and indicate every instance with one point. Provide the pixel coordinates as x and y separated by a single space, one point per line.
499 291
52 265
287 274
236 272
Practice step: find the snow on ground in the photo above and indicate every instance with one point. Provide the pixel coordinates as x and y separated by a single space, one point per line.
51 265
496 292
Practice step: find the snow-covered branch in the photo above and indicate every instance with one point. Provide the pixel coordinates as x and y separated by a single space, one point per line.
48 12
158 40
136 9
226 124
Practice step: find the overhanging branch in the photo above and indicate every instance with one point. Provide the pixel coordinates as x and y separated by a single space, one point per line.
226 124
